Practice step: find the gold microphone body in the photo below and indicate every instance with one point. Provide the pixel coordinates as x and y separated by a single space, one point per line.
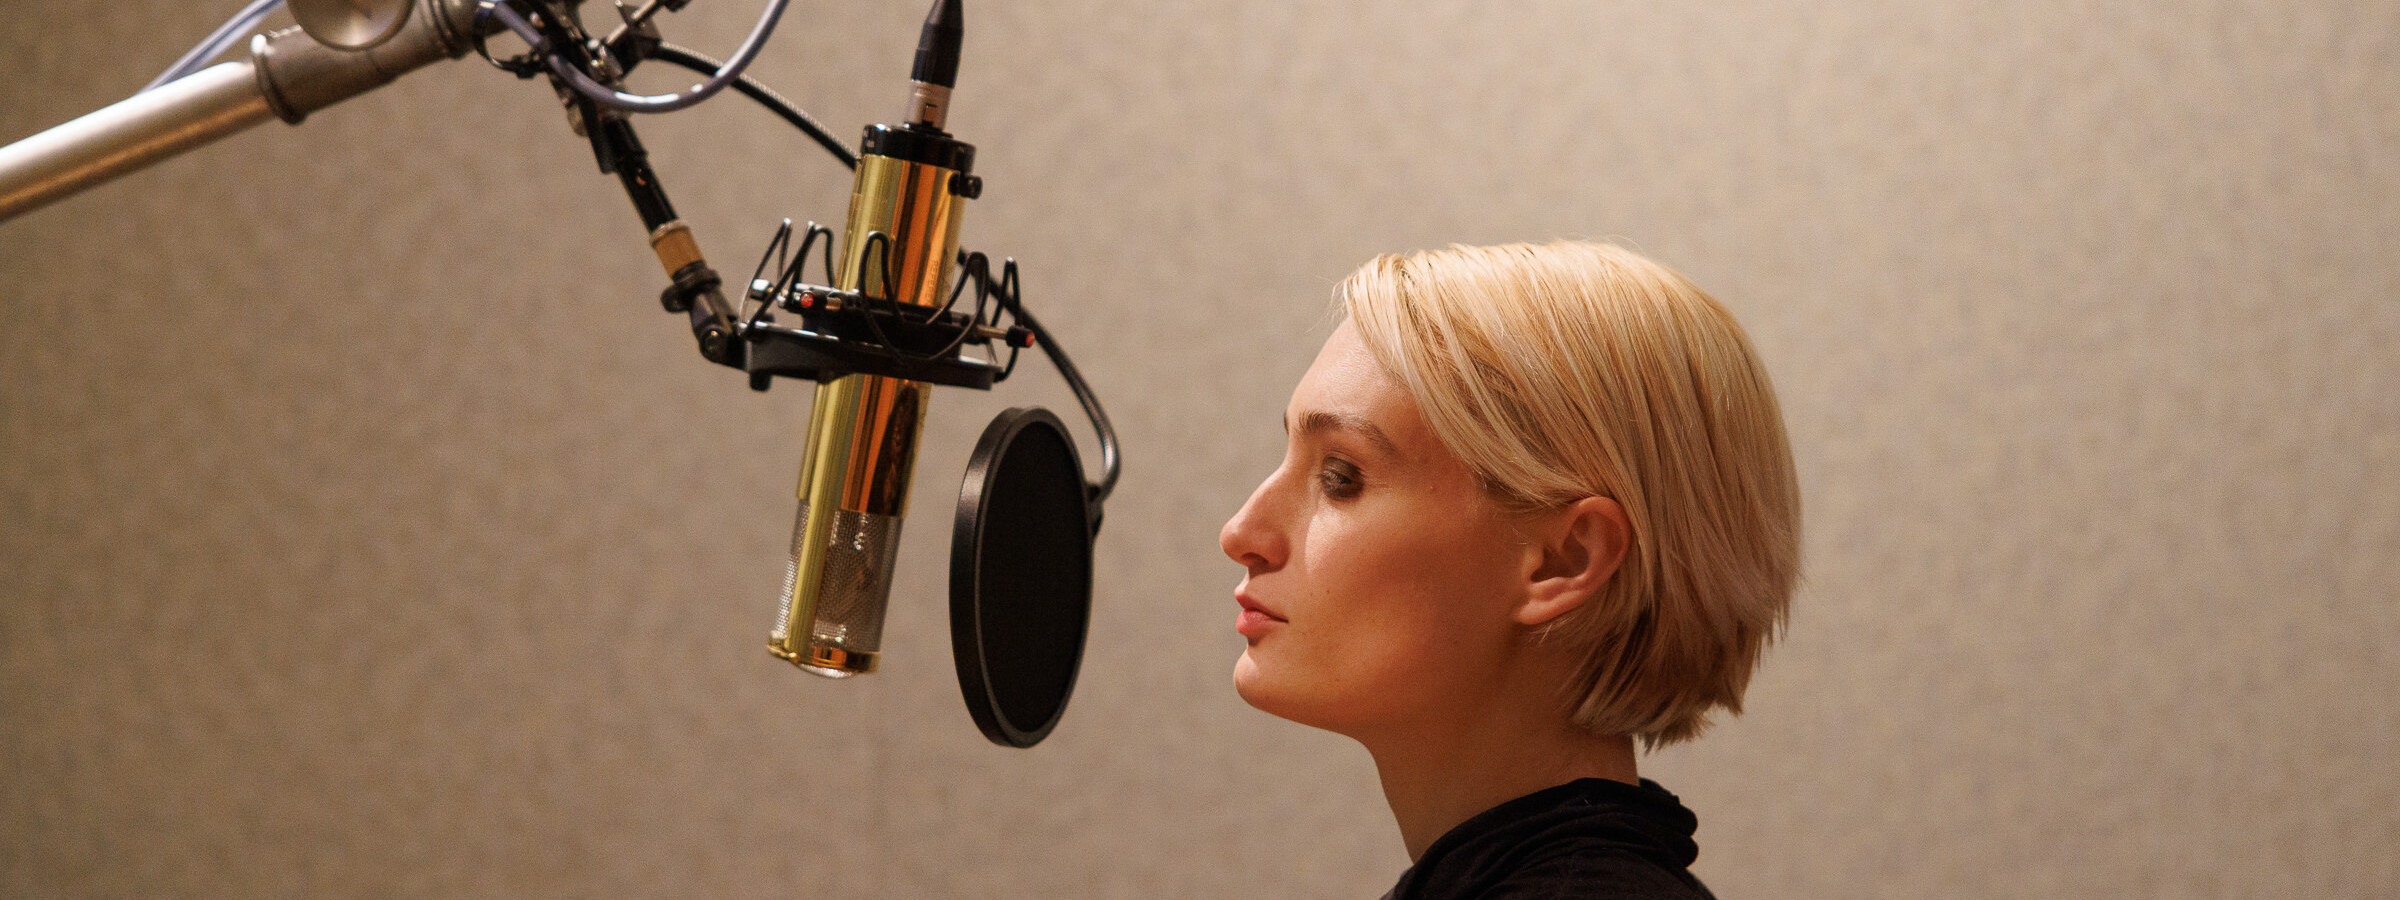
863 430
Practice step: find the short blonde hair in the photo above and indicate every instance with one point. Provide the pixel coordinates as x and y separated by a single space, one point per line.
1569 370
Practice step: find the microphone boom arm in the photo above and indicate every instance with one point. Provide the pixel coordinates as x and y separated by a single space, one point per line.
288 76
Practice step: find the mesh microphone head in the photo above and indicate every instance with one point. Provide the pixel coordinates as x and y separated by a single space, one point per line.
851 600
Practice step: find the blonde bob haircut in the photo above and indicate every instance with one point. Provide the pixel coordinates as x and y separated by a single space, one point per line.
1570 370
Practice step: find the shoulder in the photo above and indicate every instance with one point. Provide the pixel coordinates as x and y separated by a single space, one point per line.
1588 839
1600 872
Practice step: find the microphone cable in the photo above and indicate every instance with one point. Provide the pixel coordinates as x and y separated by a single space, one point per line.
774 102
217 42
1007 295
608 97
1109 465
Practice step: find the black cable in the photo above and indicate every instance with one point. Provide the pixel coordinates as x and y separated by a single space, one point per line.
1109 464
669 53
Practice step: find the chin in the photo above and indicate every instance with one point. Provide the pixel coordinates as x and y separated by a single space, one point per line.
1246 679
1257 687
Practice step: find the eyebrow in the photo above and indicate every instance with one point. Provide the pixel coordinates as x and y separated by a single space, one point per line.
1321 421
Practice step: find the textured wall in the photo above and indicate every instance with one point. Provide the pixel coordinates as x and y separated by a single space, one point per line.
370 532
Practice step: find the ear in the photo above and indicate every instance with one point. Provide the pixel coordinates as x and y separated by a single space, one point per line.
1581 547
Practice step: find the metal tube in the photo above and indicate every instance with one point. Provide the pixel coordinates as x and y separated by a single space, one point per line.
132 133
864 429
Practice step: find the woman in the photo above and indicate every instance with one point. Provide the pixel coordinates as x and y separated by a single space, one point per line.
1536 504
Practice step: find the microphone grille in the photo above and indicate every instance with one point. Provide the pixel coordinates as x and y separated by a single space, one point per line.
791 581
857 586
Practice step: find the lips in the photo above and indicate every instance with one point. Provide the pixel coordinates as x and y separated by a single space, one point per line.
1255 620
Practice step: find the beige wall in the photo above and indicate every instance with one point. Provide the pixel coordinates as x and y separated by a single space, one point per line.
370 532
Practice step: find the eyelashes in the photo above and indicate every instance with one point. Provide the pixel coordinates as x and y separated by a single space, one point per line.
1338 479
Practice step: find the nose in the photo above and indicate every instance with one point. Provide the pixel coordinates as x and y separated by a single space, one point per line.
1250 537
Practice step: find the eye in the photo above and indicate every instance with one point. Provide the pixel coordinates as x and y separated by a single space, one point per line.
1339 479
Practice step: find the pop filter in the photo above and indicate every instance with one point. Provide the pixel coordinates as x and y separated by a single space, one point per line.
1021 576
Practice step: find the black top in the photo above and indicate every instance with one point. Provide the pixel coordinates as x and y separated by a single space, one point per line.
1591 838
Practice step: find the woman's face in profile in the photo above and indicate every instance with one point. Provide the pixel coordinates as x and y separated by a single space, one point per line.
1379 573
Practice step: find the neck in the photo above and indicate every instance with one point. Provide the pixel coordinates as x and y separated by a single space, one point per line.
1436 779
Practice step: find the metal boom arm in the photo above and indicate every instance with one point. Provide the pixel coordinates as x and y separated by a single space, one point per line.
288 75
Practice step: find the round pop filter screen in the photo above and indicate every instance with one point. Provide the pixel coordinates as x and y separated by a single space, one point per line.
1020 576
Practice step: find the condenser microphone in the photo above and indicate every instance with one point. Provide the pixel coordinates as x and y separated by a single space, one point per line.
902 233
